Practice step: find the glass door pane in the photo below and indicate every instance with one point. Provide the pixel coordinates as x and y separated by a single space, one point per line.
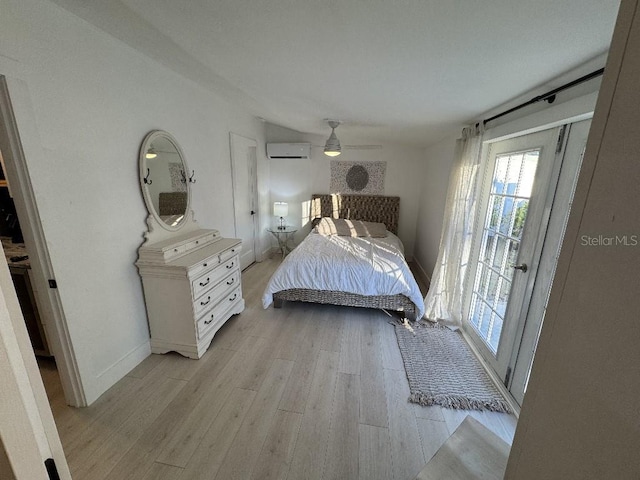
511 188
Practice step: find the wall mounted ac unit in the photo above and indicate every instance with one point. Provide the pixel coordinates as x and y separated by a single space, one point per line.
289 150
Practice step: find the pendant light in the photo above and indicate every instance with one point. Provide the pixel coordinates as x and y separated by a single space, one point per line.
151 153
332 148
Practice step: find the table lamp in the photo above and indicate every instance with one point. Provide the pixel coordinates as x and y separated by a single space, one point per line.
281 209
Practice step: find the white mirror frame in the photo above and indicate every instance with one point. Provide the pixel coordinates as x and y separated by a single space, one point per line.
158 229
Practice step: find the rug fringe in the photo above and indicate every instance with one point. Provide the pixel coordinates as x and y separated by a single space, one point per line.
459 403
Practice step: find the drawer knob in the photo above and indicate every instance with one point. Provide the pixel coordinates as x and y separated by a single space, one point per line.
230 266
205 283
205 303
230 282
207 322
204 264
235 295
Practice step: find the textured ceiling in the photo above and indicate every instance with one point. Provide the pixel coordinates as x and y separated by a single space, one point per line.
403 71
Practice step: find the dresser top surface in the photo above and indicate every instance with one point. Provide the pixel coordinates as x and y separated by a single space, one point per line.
179 239
205 252
185 250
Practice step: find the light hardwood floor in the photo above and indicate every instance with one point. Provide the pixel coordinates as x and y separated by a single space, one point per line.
302 392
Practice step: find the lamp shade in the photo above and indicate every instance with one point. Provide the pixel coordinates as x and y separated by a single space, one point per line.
280 209
332 148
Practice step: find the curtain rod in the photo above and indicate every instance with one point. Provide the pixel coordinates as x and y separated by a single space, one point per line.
550 96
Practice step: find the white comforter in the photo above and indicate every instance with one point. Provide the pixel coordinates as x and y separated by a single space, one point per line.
360 265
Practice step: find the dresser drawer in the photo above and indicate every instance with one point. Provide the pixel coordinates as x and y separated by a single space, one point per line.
175 251
204 266
208 279
216 315
227 254
214 260
212 296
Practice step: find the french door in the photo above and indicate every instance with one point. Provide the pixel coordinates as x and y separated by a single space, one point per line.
515 184
527 188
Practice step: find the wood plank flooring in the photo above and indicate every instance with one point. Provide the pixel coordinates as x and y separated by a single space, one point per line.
302 392
471 452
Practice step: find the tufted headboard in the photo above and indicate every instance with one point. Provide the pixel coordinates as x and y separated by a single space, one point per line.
368 208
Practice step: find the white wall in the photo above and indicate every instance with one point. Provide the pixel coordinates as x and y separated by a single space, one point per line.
294 181
433 194
93 99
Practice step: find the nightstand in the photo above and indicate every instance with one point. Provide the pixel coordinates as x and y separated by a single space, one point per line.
284 237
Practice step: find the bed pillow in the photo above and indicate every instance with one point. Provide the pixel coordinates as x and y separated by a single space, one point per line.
350 228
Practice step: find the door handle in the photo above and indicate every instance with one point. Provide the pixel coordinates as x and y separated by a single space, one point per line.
523 268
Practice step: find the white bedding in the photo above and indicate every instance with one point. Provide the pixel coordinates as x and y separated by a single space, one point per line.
360 265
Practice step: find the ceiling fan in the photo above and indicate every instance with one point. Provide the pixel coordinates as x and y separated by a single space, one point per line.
333 148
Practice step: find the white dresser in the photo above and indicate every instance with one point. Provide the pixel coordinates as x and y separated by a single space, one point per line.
191 287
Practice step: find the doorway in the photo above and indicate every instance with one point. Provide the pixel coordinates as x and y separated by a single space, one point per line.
244 164
40 277
527 187
17 257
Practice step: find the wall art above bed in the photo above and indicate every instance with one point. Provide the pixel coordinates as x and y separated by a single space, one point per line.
365 178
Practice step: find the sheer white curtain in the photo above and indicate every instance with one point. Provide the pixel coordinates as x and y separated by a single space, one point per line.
444 302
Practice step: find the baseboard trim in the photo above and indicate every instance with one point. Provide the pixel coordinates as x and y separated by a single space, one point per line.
266 253
107 378
426 279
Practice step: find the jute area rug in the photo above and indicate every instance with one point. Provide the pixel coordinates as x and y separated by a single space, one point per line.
442 370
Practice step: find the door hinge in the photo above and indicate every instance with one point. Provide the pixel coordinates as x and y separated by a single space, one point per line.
507 377
52 470
53 283
560 143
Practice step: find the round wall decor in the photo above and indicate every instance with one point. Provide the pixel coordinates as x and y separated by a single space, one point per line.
357 178
364 178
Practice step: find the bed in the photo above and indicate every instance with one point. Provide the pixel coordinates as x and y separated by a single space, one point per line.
353 241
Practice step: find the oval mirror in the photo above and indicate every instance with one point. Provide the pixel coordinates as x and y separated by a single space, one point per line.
164 178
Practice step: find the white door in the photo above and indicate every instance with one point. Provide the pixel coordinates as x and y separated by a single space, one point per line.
561 200
528 187
519 173
30 440
245 195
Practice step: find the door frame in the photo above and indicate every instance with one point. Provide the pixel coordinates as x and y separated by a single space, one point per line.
254 199
47 299
568 166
